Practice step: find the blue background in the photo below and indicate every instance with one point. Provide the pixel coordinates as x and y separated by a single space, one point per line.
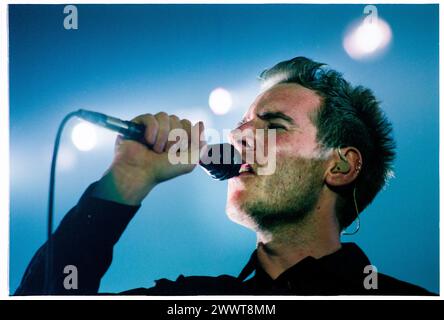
127 60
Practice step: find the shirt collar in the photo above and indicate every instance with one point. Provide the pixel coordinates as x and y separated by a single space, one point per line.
345 262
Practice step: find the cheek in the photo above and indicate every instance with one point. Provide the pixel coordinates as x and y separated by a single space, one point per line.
298 145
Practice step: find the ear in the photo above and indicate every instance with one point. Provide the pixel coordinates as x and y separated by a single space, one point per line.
343 167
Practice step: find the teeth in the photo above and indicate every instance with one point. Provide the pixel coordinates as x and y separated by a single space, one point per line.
245 169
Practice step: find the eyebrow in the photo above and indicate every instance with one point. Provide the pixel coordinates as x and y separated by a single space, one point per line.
269 115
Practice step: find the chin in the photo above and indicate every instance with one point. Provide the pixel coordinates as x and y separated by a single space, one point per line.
236 212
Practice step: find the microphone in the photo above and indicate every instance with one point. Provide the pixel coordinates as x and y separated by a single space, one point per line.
220 161
128 129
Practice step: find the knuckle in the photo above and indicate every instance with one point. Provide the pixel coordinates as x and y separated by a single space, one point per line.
161 114
186 123
142 117
174 118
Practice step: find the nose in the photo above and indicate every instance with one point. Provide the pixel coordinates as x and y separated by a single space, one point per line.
243 139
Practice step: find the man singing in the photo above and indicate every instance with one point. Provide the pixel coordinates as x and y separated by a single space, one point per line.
334 152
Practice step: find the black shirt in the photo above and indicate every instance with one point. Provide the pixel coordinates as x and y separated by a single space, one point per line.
87 234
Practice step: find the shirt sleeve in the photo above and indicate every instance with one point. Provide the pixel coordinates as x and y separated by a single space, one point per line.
84 239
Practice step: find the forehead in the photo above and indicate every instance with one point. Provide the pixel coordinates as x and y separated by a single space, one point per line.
290 98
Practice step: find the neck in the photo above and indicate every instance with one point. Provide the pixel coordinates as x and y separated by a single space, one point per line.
316 236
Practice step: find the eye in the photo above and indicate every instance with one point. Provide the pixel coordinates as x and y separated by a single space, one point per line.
276 126
241 123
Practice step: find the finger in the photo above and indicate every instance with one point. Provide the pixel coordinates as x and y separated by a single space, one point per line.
174 124
162 133
198 143
118 142
151 127
151 131
186 125
202 141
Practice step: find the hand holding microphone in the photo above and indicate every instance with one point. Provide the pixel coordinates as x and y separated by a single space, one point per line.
141 159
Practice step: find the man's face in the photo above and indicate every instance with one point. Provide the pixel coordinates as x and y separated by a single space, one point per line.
291 192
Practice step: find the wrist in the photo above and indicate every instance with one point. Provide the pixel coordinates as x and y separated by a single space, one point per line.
124 185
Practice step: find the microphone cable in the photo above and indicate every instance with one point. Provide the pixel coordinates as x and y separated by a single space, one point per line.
50 221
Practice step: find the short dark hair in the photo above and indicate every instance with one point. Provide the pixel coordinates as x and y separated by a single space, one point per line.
349 116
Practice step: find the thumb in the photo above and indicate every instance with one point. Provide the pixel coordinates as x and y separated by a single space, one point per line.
197 142
202 140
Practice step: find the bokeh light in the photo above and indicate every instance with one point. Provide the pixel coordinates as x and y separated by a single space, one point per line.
367 39
84 136
220 101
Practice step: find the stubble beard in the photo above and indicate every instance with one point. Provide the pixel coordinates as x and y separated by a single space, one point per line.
287 197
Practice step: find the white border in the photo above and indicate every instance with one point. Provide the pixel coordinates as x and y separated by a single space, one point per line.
4 153
441 132
4 161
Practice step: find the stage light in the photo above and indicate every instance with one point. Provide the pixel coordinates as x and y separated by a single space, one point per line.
84 136
367 39
220 101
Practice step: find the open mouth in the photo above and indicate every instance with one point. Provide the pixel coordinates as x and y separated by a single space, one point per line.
246 169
